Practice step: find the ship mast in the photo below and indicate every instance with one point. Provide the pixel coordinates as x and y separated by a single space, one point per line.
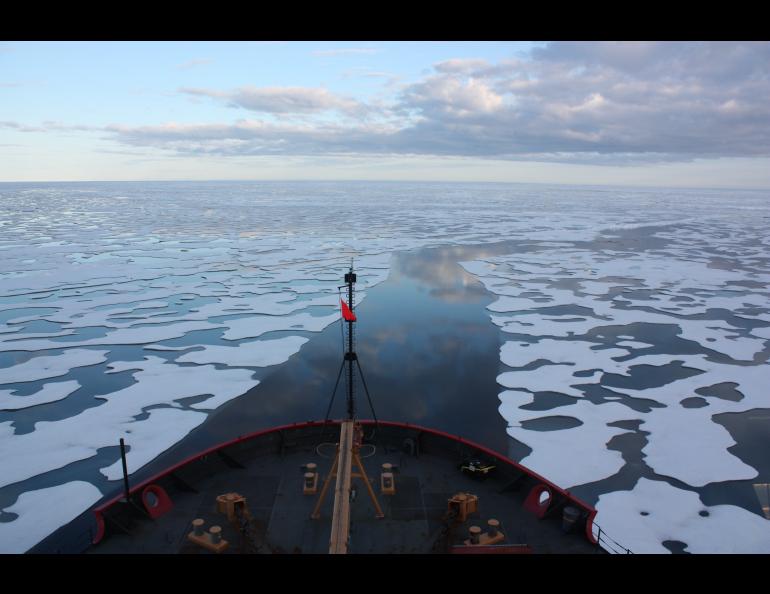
350 356
351 438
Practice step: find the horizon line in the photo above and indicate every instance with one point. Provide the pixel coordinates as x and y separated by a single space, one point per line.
407 181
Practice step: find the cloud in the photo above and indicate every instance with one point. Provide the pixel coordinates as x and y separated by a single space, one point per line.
457 65
452 97
283 100
49 126
345 51
363 72
21 127
671 100
193 63
573 102
704 61
254 137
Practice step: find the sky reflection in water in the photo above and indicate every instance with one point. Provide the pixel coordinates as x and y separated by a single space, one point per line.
427 348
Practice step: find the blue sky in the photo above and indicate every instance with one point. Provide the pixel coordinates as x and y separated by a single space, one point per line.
666 113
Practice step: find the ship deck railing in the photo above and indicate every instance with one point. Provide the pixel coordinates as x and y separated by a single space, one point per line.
609 544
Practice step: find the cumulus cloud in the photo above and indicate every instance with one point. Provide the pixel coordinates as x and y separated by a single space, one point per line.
569 102
675 99
452 97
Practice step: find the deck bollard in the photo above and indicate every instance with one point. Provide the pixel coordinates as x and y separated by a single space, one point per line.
568 518
475 532
216 534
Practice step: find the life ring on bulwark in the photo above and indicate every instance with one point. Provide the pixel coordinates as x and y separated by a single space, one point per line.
538 500
156 501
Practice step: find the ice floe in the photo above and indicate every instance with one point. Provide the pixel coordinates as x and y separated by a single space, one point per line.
48 393
634 344
258 353
44 367
547 325
155 434
762 332
569 457
42 511
696 459
589 355
563 307
654 512
257 325
54 444
136 335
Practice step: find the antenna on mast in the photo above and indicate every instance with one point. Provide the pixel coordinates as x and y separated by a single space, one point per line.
350 357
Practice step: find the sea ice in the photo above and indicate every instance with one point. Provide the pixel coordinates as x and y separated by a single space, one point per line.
541 325
634 344
255 326
658 287
43 511
696 460
54 444
137 335
654 512
762 332
119 258
585 355
572 456
148 438
44 367
257 353
48 393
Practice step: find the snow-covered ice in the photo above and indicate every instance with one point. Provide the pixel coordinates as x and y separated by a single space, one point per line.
44 367
654 512
54 444
52 392
141 335
666 286
38 517
146 439
570 456
258 353
257 325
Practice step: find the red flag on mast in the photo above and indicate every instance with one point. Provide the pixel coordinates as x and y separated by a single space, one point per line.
347 314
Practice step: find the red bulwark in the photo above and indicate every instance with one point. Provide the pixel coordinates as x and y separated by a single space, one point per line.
347 313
